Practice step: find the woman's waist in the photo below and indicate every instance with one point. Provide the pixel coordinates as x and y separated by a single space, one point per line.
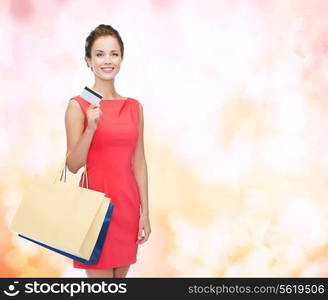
108 172
99 178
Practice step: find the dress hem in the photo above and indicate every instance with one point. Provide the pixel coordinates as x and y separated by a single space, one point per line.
103 267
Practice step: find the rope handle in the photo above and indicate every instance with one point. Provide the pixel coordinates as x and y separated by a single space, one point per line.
85 182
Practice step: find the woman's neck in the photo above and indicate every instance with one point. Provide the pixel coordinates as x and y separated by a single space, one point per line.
106 92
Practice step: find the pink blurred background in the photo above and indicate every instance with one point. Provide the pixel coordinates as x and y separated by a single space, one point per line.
236 121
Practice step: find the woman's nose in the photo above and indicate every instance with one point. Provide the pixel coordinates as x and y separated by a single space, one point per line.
108 60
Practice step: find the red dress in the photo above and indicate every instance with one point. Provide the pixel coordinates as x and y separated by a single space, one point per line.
109 171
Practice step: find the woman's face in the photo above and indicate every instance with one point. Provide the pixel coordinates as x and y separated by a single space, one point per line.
105 57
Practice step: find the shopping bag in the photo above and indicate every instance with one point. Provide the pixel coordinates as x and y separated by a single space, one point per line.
97 249
62 216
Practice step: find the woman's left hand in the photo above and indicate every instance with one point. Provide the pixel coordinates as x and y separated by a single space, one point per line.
144 225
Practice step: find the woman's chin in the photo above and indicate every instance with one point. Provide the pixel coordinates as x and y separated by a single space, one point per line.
106 77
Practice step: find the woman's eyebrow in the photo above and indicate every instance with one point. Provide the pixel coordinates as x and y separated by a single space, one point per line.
103 51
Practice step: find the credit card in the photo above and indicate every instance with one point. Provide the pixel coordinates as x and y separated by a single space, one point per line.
91 95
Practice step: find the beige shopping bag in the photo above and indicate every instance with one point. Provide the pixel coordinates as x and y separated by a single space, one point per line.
61 215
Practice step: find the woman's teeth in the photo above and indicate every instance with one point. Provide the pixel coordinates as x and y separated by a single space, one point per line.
107 70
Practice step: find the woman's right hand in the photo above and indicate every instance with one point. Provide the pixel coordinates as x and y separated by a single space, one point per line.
93 113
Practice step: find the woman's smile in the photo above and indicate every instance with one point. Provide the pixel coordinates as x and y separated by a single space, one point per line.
107 69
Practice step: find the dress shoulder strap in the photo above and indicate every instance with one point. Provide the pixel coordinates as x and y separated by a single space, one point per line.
83 103
136 108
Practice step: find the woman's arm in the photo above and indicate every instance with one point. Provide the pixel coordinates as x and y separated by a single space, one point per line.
139 166
78 143
140 172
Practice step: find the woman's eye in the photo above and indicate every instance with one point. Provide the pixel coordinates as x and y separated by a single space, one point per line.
113 53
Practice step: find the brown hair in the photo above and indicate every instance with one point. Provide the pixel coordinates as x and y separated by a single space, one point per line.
99 31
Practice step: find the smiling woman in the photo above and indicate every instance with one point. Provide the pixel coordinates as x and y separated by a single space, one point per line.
108 138
104 52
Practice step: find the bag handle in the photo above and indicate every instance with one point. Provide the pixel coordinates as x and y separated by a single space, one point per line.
85 182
